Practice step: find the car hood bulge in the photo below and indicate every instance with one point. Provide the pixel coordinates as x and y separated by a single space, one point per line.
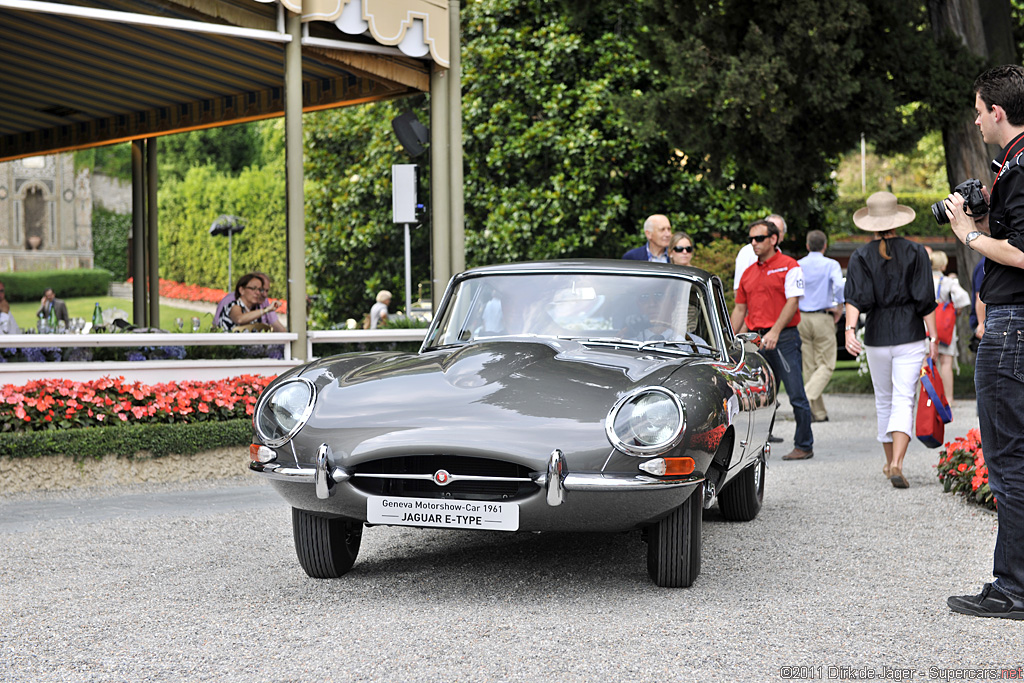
507 399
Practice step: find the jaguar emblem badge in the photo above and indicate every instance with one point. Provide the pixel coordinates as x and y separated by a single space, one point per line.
442 478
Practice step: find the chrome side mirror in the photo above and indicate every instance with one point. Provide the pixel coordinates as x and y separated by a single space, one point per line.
752 337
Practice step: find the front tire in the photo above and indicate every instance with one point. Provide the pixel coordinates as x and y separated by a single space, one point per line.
741 500
673 544
326 546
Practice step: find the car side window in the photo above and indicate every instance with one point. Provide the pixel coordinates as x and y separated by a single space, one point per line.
722 311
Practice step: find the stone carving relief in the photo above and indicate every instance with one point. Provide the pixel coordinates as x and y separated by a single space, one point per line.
83 210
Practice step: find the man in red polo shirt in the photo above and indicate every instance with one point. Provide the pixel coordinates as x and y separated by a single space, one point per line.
767 303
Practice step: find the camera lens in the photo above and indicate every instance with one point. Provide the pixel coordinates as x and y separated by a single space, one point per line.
939 211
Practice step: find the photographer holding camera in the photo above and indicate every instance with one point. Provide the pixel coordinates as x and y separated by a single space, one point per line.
999 236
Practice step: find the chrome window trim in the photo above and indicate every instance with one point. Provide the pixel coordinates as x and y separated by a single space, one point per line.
429 343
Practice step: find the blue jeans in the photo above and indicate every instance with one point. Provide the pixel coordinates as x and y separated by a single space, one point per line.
787 363
999 382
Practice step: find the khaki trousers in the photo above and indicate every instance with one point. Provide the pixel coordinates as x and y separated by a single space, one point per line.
818 337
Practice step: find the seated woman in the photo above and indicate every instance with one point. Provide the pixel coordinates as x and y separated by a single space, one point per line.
247 308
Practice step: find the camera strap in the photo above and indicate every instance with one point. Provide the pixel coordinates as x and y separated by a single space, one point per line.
1014 149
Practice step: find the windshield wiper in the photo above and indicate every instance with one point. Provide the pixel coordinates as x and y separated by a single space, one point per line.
609 341
676 343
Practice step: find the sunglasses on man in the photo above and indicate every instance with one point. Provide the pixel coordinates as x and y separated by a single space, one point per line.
680 249
758 238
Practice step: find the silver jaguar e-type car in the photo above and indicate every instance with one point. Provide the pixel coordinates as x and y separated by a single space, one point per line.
581 395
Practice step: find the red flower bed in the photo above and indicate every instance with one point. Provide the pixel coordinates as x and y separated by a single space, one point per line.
962 470
63 404
178 290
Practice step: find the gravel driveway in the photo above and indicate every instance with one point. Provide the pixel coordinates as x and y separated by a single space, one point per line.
840 574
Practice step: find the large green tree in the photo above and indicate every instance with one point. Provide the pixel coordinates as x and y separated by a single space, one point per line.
353 249
229 149
986 30
778 89
554 163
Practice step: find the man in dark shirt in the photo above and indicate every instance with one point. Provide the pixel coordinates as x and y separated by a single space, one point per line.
658 232
999 237
51 302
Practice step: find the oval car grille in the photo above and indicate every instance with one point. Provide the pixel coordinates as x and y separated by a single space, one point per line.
469 478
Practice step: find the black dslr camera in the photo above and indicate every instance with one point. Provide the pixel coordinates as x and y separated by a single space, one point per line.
970 190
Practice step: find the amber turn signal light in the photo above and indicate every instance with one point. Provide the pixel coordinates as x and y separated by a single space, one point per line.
258 453
668 467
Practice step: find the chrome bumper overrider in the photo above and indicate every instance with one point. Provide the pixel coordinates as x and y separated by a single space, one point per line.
555 481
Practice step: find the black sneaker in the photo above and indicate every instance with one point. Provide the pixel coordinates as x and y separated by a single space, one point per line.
989 603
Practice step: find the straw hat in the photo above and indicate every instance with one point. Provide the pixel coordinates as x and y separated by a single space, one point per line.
882 213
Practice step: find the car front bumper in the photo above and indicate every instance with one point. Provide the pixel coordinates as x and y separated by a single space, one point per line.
565 501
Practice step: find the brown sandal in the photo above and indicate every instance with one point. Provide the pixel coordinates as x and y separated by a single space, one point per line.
897 478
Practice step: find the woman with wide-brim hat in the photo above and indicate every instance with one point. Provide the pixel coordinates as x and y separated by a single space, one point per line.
890 280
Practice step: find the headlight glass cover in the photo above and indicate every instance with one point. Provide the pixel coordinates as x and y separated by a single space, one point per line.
283 411
647 421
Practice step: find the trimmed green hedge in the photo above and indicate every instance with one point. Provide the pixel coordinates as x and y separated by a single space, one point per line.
66 284
110 233
127 440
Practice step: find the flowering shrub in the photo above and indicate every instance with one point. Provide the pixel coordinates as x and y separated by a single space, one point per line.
63 404
962 469
177 290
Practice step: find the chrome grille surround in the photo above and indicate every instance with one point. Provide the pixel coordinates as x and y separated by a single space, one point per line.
445 476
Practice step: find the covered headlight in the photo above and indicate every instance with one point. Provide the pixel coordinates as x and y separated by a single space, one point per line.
283 410
647 421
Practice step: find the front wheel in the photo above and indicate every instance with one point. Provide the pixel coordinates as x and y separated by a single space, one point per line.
741 499
673 544
327 546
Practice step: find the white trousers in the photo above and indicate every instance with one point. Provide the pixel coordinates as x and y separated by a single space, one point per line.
895 371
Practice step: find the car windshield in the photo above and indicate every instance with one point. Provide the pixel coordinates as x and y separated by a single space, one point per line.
656 311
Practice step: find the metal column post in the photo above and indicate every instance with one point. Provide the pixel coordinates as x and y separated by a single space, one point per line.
138 236
152 211
457 209
296 216
440 182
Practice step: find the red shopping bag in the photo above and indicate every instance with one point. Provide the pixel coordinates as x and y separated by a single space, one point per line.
945 322
933 411
945 316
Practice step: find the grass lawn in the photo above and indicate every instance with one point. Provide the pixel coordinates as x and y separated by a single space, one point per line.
25 312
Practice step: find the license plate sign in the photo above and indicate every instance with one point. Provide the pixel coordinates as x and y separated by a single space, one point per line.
434 512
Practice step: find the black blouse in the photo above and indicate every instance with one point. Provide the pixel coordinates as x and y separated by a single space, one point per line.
895 294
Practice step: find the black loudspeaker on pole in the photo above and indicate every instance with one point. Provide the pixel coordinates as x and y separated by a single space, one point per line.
413 135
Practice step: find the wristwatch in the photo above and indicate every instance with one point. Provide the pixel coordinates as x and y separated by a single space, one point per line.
851 327
971 236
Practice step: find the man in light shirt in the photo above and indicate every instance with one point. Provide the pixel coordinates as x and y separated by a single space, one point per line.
823 290
7 323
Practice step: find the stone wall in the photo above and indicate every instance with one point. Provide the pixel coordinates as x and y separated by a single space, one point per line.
112 194
61 472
